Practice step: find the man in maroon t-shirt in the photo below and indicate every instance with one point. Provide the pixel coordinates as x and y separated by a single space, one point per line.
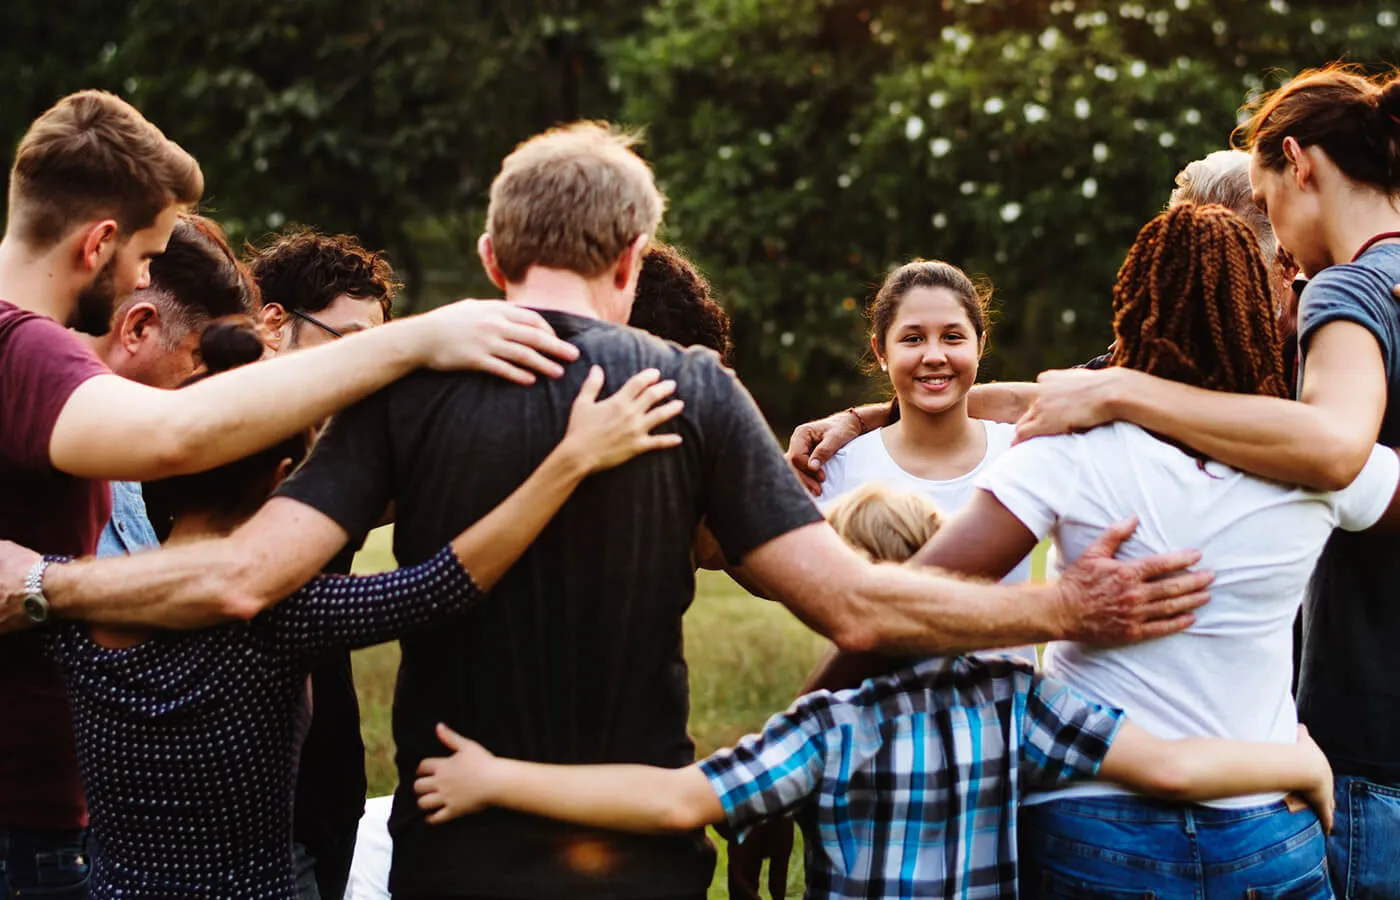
94 194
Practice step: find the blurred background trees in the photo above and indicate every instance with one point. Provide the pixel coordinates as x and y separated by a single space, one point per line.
805 145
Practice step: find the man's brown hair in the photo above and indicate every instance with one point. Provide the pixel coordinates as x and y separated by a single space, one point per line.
91 156
572 198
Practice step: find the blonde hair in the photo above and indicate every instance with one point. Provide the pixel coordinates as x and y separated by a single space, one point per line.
573 198
885 525
90 156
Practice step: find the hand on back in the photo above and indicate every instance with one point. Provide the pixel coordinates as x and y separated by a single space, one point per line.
456 785
607 433
491 336
1107 601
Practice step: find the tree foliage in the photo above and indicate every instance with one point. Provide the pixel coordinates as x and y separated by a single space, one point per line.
806 145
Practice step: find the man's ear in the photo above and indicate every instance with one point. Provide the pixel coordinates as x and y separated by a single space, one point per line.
487 252
139 323
98 244
274 316
630 262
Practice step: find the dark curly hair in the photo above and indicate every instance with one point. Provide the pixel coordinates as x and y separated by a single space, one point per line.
305 270
674 302
197 279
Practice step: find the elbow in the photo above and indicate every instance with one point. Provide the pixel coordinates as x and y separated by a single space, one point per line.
682 815
233 594
1339 467
852 633
173 453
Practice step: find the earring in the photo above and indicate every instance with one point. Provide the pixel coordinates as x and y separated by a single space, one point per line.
884 367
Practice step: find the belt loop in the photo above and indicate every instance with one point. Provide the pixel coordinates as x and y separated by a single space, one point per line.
1190 821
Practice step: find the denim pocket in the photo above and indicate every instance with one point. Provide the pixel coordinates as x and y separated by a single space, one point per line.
1374 836
1059 887
1311 886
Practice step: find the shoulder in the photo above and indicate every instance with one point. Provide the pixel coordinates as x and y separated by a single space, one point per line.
1000 435
1358 291
853 465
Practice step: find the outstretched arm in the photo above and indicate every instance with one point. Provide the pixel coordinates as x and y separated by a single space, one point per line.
1321 442
116 429
1214 768
644 799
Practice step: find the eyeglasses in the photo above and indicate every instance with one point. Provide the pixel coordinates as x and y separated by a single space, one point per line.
317 322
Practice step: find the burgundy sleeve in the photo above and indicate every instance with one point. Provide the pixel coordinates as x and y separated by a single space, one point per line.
41 364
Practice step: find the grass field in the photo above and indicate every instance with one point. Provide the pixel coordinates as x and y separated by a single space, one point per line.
747 659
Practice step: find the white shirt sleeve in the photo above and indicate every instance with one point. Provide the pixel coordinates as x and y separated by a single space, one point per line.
1035 481
834 484
1361 504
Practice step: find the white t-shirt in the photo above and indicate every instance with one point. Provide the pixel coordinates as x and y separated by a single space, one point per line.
374 851
866 459
1227 675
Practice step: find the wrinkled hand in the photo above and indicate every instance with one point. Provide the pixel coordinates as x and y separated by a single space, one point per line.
1107 601
1069 400
813 443
452 786
1321 796
608 433
771 840
491 336
15 563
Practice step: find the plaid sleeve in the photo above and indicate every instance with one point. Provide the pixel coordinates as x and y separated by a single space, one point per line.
771 773
1064 736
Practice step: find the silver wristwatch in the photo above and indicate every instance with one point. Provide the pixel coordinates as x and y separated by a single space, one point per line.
36 605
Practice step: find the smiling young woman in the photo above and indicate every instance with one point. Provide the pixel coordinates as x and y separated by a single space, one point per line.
928 328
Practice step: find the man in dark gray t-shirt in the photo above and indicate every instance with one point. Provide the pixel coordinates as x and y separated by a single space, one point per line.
576 655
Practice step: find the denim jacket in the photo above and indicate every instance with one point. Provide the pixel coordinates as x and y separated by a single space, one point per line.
129 529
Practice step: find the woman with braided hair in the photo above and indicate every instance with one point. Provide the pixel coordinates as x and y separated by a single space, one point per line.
1326 169
1191 306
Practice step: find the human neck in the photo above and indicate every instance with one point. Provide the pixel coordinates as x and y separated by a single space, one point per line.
561 291
1365 215
33 281
189 528
927 435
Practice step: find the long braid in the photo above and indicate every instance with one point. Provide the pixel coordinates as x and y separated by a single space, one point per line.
1192 304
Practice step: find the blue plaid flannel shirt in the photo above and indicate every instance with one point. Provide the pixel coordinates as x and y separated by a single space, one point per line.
907 787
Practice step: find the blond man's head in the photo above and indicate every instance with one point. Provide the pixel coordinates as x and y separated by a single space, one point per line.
885 525
92 156
574 198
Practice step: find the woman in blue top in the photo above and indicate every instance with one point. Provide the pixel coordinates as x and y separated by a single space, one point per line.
188 741
1326 169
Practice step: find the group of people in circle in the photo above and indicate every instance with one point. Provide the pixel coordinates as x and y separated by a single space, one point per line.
558 465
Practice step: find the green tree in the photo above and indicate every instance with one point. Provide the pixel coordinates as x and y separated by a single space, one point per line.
808 146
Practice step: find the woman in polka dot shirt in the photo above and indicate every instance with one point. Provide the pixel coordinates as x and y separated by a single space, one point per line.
188 741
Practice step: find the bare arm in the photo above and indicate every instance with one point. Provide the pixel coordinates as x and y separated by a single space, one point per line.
813 443
644 799
1321 442
1001 401
982 539
1213 768
282 547
112 428
902 609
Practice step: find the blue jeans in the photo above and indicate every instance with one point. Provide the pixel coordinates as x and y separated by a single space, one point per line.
1363 849
52 865
1103 848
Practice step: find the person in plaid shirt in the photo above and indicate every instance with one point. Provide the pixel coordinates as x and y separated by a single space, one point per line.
905 787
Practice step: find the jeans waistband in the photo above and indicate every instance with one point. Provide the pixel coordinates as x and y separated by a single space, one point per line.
1147 810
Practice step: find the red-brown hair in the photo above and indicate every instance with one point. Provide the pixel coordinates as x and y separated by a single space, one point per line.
1352 116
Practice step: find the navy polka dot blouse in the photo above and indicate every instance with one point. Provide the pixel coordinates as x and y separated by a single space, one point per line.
188 742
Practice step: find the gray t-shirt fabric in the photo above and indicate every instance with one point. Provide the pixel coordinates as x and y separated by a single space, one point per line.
1348 694
576 655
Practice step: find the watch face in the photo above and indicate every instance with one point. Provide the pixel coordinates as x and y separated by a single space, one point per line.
35 607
